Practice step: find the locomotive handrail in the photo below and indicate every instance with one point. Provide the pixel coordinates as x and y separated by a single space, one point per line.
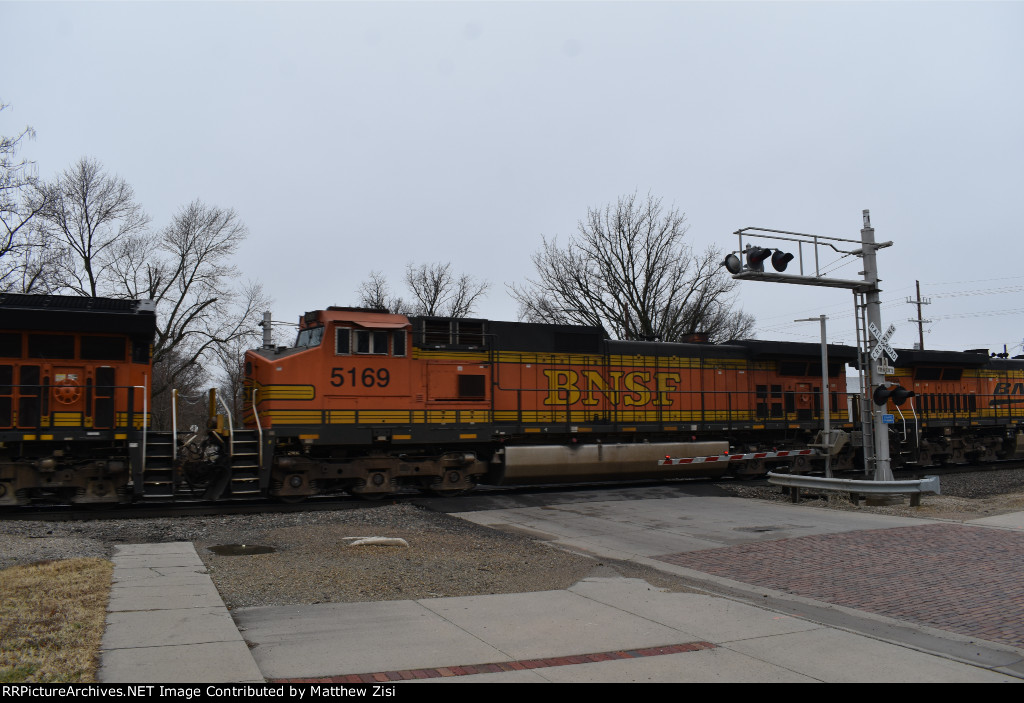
137 470
231 426
259 428
917 425
174 426
145 413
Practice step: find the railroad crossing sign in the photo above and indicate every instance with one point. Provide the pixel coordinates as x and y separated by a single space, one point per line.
883 342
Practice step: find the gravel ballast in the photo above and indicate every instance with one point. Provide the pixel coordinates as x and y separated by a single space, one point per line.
311 561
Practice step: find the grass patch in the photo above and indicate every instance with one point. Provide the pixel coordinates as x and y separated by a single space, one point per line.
52 616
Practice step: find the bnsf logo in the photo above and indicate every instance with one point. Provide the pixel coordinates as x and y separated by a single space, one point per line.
1004 389
590 387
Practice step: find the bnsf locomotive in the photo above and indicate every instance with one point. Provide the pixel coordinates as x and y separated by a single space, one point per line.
75 375
966 407
368 402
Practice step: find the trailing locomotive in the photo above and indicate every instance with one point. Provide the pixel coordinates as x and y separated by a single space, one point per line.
74 388
368 402
966 407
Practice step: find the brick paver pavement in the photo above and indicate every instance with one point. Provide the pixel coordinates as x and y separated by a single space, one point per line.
960 578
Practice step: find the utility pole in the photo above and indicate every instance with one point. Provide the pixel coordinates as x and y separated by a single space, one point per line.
825 392
920 322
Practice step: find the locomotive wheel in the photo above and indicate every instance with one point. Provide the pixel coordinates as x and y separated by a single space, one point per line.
66 392
800 465
453 484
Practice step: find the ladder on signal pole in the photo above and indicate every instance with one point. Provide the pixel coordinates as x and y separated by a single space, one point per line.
867 408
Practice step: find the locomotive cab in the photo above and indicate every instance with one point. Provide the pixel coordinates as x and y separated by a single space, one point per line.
335 402
347 366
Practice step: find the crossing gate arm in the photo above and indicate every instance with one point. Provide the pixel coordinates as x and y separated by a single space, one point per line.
769 456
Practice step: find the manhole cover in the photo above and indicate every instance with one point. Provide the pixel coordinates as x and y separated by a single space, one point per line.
238 550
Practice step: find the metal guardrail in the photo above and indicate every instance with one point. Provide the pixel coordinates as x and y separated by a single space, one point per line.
929 484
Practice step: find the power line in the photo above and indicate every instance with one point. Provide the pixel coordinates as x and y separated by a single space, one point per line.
981 313
979 291
983 280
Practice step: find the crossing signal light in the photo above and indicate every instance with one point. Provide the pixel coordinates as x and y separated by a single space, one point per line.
756 257
897 394
780 259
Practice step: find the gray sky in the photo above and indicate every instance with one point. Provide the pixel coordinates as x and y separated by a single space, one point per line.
353 137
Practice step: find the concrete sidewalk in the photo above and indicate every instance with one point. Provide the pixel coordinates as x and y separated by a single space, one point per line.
167 623
600 630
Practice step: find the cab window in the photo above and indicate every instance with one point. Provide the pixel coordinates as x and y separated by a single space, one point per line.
371 342
310 337
343 340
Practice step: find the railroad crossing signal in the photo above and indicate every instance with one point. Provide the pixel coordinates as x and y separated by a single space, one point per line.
883 342
892 392
756 256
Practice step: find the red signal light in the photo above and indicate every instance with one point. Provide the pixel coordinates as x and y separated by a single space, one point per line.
756 257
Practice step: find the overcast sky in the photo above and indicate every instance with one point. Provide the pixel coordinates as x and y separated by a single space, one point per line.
353 137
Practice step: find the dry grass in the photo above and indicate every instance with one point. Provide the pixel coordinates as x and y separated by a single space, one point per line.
52 616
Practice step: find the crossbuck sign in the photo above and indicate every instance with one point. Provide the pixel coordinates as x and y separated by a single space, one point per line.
883 342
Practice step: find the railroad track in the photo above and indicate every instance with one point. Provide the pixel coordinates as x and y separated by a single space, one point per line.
328 503
61 513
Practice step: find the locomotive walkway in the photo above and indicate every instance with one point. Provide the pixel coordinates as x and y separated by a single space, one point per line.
782 593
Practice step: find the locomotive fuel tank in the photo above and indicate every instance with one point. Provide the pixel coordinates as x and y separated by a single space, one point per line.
602 462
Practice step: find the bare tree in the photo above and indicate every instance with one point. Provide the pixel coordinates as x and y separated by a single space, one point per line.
24 256
191 381
630 271
88 212
100 244
186 271
231 368
438 292
435 290
376 293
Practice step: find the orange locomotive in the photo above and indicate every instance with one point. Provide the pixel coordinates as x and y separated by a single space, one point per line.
74 388
368 401
965 407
